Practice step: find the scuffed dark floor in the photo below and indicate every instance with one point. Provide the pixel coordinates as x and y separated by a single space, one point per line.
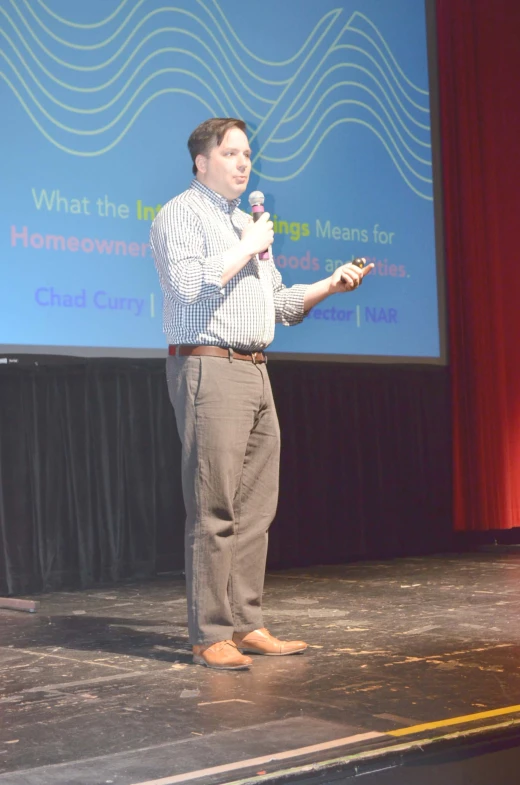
105 676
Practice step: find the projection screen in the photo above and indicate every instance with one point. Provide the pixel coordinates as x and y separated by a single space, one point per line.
98 100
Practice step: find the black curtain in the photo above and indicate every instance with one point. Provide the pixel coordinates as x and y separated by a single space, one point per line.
90 468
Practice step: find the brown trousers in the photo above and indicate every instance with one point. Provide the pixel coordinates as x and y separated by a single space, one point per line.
230 437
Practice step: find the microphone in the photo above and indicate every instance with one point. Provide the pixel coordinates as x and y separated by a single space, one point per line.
256 200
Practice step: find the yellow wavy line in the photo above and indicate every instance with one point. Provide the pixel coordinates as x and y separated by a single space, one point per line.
190 73
237 39
273 178
278 63
316 70
212 113
398 83
123 133
292 80
116 76
208 12
302 90
251 54
75 110
410 117
99 66
203 25
371 75
375 97
97 131
374 27
80 46
354 102
265 62
82 26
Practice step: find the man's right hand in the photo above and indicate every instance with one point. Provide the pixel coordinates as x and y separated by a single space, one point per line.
258 236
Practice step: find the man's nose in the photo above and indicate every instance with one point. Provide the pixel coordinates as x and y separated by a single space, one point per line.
243 164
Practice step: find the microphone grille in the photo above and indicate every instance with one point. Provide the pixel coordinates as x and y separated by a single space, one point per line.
256 197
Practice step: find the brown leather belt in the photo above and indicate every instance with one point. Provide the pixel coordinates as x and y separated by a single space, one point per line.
216 351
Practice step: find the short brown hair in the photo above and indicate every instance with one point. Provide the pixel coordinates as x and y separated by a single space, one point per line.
210 134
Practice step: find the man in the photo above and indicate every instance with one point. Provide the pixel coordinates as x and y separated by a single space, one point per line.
220 307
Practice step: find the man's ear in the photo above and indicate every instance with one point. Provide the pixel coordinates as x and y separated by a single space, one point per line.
201 163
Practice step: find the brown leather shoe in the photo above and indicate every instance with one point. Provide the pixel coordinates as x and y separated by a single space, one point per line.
262 642
223 655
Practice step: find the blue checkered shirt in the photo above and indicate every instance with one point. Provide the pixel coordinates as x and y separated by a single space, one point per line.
188 238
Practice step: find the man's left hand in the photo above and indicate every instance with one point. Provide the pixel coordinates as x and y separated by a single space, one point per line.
348 277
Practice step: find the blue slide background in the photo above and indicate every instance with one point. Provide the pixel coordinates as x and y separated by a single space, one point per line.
98 100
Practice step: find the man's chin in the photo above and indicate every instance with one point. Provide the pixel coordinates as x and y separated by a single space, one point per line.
234 190
239 188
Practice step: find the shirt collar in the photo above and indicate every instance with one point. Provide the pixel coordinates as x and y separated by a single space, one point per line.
227 205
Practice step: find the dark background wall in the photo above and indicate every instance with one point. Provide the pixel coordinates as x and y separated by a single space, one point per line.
90 478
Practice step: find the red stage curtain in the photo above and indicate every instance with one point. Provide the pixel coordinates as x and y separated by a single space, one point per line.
479 84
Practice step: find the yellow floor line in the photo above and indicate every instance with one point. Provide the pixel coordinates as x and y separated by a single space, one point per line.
349 740
482 715
372 754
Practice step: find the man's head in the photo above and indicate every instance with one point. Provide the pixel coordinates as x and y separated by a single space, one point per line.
221 155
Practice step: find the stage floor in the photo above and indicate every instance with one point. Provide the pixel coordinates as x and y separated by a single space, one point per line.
98 686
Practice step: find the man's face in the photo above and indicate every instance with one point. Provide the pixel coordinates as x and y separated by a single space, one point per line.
227 168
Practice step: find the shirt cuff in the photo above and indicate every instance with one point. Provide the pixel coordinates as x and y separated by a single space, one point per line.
289 304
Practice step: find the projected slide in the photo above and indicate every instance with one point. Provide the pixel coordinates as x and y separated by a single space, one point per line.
98 100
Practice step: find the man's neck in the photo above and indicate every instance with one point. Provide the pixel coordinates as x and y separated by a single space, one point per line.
230 201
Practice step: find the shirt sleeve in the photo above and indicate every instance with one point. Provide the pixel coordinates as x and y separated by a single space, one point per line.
178 246
288 301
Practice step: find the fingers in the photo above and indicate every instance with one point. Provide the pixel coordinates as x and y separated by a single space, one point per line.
258 235
367 270
265 219
266 226
351 276
349 283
